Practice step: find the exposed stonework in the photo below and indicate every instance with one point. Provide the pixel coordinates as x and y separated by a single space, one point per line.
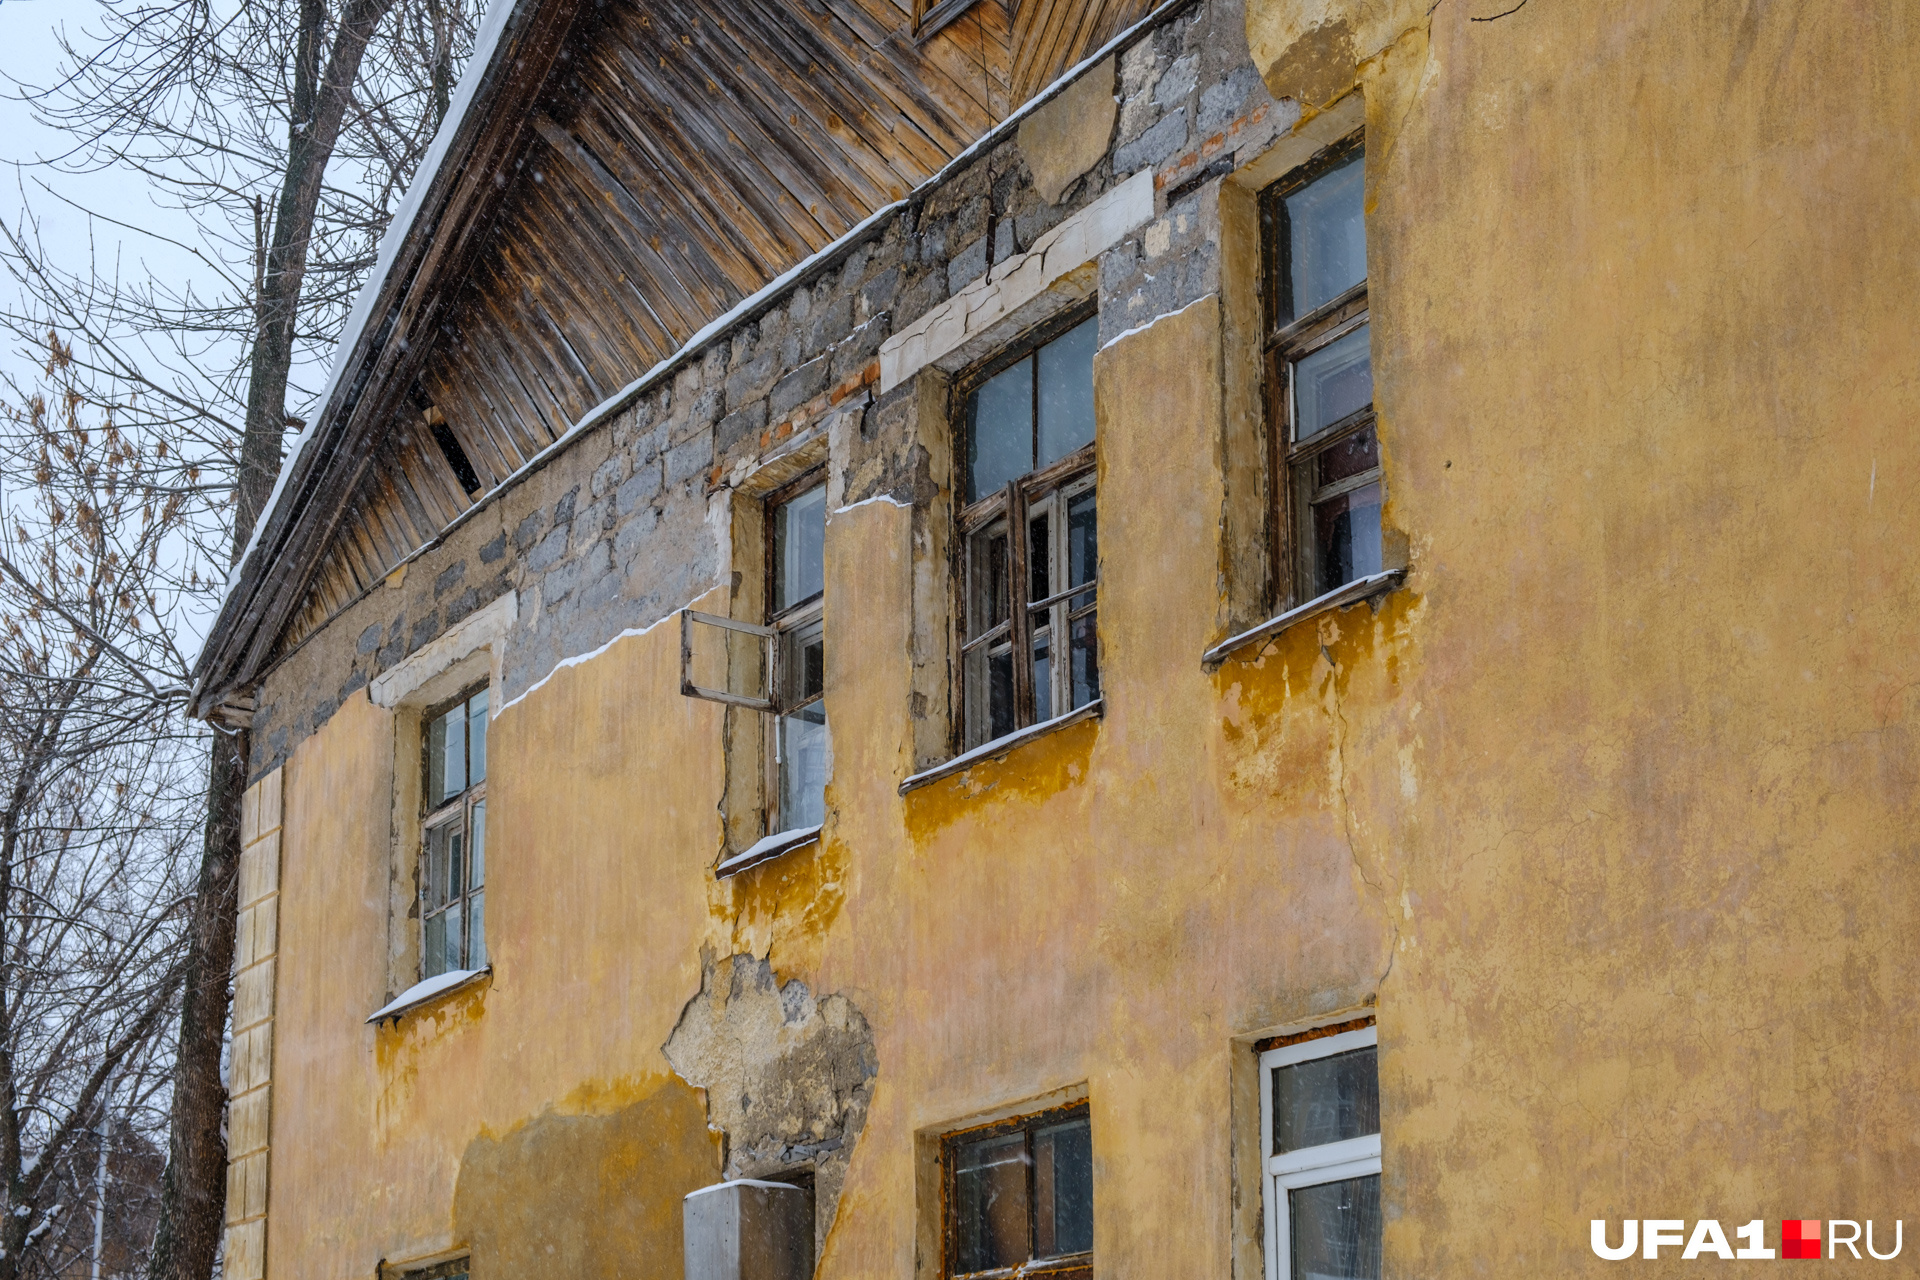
788 1076
618 530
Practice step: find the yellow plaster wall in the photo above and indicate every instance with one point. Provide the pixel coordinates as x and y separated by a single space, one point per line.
1642 281
1608 807
1078 914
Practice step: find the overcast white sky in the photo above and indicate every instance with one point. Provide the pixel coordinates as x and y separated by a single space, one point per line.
29 54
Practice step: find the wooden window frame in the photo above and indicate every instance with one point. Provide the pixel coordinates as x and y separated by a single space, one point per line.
1283 345
1078 1266
780 624
1308 1166
457 811
1057 483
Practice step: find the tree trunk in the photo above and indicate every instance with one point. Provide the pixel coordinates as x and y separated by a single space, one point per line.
319 105
193 1191
193 1188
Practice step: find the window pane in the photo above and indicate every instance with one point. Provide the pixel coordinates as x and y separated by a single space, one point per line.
1042 678
1066 391
456 863
804 762
476 932
437 762
1063 1189
1346 533
477 738
799 543
1083 543
477 858
1327 237
1039 558
455 951
990 1204
1086 660
803 665
987 607
451 735
1359 452
999 695
1336 1230
1326 1100
435 888
433 956
1331 383
1000 430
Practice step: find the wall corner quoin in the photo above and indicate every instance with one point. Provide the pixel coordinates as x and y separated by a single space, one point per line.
250 1082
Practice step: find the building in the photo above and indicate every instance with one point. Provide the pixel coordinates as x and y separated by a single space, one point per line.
1457 779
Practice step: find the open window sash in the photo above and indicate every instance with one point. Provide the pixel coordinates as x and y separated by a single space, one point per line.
744 656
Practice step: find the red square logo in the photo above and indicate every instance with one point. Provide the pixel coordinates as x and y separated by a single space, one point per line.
1800 1238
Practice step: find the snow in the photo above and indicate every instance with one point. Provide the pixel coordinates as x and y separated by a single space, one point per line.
778 842
742 1182
590 655
1164 315
865 502
421 992
1351 592
485 45
999 746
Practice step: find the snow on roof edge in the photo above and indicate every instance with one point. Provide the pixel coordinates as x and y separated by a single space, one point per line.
485 45
499 13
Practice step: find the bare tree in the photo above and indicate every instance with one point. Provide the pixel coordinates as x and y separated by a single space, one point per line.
97 824
285 131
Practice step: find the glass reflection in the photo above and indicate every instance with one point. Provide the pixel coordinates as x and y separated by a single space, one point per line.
1333 382
1000 431
1327 237
990 1204
1066 391
1335 1230
1326 1100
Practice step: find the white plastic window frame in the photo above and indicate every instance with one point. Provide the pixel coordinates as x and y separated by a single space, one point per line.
1310 1166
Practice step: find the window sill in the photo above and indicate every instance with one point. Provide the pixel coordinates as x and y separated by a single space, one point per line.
1339 598
765 849
1000 746
421 993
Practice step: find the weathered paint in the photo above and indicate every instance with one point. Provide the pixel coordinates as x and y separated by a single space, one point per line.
1606 813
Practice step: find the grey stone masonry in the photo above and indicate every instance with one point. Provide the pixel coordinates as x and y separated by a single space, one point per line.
618 529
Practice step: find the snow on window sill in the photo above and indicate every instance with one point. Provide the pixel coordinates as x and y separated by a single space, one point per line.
1000 746
768 847
1354 592
432 989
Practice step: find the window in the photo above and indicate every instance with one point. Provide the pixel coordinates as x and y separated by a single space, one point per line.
796 579
770 660
453 874
1029 533
1019 1196
1320 376
1320 1135
454 1270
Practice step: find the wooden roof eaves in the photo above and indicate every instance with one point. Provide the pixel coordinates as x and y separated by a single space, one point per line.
312 479
243 615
